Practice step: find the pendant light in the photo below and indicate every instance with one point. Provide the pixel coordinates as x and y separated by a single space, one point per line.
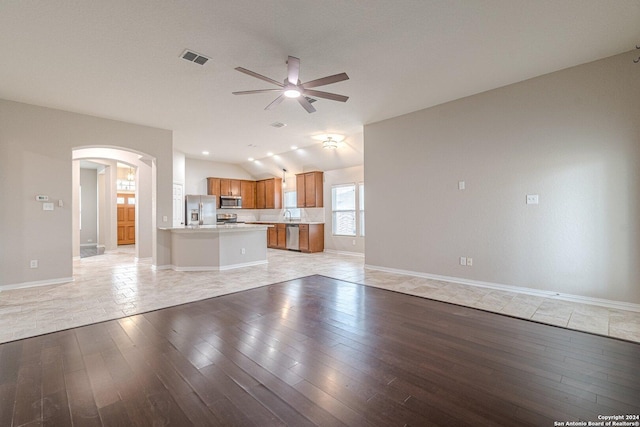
131 176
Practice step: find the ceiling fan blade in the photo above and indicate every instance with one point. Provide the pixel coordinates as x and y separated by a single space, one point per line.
249 92
259 76
306 104
275 103
293 70
326 80
326 95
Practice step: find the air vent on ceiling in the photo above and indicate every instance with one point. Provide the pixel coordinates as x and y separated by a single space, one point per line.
277 125
192 56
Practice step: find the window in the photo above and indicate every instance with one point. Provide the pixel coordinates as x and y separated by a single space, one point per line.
343 205
125 185
361 207
291 202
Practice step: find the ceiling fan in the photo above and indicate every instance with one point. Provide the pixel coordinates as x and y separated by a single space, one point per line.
293 88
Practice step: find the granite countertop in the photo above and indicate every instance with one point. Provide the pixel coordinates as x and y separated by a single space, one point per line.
285 222
215 228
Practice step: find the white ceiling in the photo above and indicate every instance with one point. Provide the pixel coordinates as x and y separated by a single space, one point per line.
120 59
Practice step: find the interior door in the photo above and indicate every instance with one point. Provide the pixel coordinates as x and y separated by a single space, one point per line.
126 219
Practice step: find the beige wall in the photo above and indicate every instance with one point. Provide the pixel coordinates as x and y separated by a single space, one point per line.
572 137
36 146
89 206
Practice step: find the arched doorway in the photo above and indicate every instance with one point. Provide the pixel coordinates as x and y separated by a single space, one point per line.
140 164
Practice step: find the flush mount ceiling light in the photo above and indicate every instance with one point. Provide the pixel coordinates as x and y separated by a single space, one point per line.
329 143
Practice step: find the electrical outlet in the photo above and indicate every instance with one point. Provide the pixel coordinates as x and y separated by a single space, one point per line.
33 263
463 260
532 199
353 242
469 262
243 251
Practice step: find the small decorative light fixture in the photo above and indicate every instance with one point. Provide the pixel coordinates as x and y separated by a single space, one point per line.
131 176
284 177
329 143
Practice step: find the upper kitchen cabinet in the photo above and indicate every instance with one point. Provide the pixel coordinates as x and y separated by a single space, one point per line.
248 193
269 193
213 189
309 189
229 187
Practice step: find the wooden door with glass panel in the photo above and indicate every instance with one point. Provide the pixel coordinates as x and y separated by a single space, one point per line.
126 219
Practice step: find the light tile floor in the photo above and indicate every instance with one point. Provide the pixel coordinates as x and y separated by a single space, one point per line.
113 285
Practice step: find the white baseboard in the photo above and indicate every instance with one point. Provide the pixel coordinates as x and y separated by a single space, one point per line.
333 251
36 283
212 268
83 245
620 305
145 259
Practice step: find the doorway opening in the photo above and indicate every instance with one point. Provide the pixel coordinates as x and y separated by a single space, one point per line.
123 189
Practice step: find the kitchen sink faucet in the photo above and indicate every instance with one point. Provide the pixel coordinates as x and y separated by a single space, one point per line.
285 214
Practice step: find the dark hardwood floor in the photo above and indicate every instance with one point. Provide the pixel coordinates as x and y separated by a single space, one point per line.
317 351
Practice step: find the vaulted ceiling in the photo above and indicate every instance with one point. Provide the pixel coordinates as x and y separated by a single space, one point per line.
121 59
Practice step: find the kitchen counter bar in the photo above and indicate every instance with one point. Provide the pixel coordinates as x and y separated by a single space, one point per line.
217 247
285 222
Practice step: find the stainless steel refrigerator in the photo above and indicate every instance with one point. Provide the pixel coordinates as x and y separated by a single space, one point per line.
200 210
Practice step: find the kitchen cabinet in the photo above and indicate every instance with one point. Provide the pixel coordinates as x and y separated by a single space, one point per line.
248 193
272 237
281 230
311 238
269 193
229 187
213 189
261 195
309 190
277 236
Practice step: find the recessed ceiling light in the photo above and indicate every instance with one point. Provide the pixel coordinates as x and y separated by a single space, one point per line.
250 159
269 154
206 153
293 147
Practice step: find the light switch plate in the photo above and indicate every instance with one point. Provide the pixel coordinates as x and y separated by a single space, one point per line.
47 206
461 185
532 199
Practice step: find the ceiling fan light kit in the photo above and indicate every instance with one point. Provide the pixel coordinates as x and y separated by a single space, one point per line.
293 88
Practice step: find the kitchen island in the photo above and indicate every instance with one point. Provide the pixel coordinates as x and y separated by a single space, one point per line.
217 247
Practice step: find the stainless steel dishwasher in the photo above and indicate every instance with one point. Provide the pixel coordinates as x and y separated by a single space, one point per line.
293 237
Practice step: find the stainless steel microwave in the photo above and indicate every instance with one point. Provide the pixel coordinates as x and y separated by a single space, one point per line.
230 202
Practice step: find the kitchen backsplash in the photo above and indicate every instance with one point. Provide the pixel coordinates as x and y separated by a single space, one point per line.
248 215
